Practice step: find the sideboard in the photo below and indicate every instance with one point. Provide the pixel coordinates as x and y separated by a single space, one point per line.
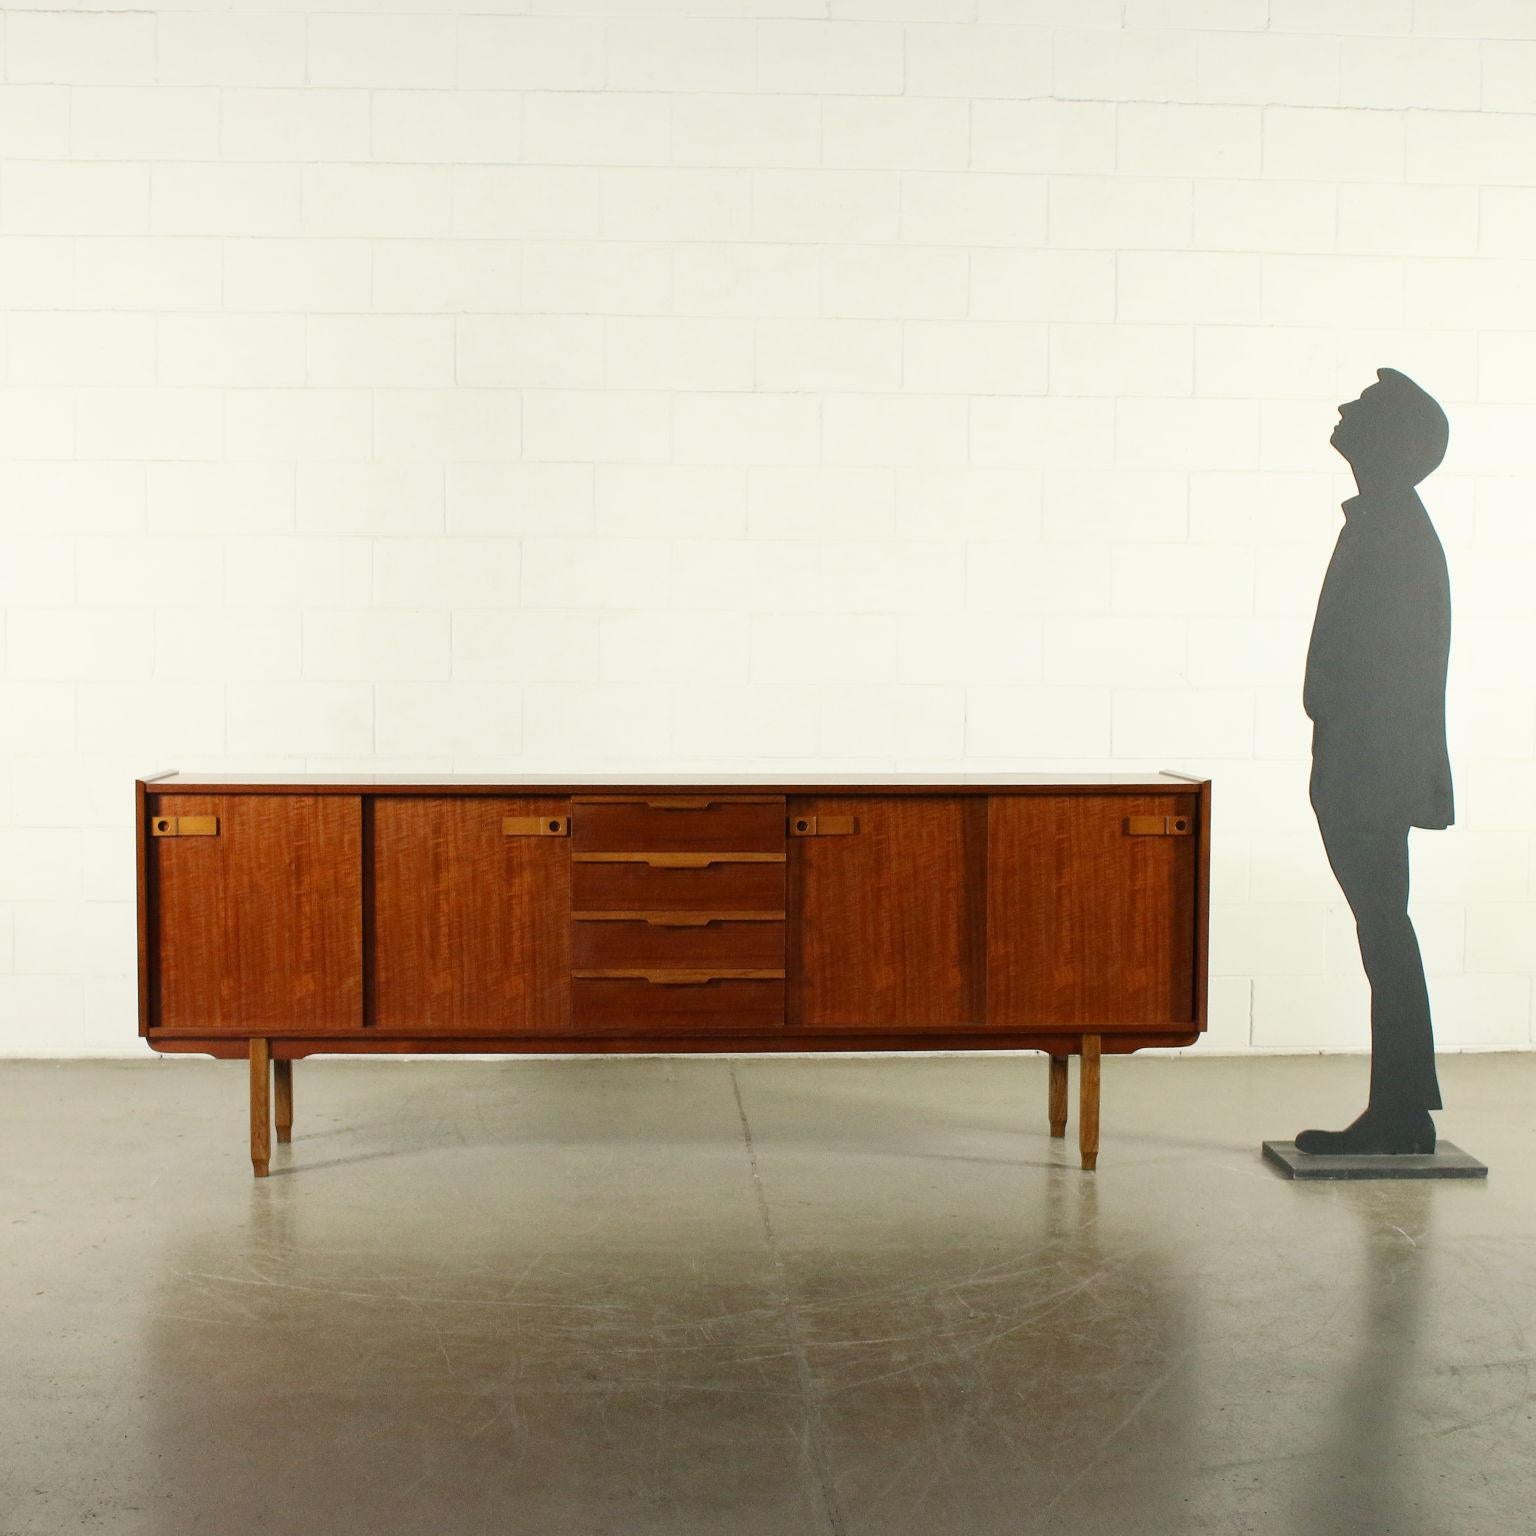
288 915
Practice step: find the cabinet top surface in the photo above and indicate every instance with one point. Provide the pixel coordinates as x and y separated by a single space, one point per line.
554 783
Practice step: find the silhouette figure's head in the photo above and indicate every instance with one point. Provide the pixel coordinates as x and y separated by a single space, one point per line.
1394 435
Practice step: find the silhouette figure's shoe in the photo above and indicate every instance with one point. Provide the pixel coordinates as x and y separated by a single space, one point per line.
1374 1131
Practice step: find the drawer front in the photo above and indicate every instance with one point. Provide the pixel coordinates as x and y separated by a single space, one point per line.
601 886
728 824
625 1003
698 942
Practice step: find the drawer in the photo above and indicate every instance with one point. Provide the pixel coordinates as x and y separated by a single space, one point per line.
676 823
604 885
624 1003
684 940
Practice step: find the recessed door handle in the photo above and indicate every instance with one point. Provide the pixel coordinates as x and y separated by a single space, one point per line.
1159 826
184 826
535 826
822 826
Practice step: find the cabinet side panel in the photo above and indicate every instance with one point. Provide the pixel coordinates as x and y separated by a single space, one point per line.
886 920
471 927
258 929
141 904
1089 923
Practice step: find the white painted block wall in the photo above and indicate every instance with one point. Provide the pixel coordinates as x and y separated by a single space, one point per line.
783 385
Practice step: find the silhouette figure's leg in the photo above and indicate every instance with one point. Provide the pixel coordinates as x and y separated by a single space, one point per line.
1058 1096
1371 864
261 1107
1402 1036
1088 1105
282 1096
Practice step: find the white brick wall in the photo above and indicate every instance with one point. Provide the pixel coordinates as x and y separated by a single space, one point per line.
769 385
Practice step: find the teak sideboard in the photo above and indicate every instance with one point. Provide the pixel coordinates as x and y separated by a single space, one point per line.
284 916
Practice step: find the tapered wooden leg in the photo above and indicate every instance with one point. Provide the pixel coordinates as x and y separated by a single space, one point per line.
282 1098
261 1107
1058 1109
1088 1103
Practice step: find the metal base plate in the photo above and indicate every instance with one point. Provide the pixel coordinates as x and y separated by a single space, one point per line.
1445 1162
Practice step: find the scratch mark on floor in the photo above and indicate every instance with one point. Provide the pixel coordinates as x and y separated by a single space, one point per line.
814 1428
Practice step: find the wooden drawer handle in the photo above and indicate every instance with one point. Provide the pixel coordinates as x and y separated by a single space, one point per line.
677 919
704 919
679 802
655 919
679 860
673 978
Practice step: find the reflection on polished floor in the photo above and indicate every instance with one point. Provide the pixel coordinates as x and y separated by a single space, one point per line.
754 1296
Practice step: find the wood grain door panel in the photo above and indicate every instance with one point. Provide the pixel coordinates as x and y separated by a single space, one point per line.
1089 923
470 928
258 930
886 925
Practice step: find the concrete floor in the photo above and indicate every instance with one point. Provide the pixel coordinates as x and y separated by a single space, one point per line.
754 1296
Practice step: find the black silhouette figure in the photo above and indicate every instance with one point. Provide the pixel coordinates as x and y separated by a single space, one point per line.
1375 691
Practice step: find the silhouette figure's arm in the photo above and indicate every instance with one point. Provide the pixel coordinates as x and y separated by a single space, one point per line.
1338 640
